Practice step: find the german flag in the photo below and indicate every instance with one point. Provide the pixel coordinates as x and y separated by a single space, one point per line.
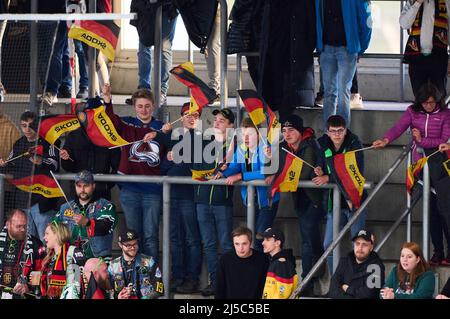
39 184
53 126
447 166
201 92
203 175
101 35
413 171
260 113
288 180
99 127
349 178
193 106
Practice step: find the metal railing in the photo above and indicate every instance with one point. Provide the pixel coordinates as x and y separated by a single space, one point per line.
340 235
166 181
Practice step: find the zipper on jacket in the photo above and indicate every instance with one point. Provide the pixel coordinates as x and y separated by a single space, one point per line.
426 125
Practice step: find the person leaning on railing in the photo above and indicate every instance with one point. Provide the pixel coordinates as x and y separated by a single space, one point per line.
429 121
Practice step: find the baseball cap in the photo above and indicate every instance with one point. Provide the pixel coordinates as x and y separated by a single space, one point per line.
185 108
226 113
364 234
271 233
127 235
293 121
85 177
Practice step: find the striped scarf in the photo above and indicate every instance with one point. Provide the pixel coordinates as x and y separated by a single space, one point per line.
53 278
440 33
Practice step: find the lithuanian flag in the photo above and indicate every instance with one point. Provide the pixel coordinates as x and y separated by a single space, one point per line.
53 126
200 91
287 180
101 35
413 171
349 178
98 125
39 184
203 175
260 113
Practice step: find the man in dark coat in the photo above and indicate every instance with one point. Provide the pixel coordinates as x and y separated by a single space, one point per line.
360 274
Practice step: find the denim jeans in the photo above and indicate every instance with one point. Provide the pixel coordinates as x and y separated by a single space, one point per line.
55 73
145 56
142 213
80 49
212 54
215 223
309 220
186 248
264 218
345 217
338 68
37 221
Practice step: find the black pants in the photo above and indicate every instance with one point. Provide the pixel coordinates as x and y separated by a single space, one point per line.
431 68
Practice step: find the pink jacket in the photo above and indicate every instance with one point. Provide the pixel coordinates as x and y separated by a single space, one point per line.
434 128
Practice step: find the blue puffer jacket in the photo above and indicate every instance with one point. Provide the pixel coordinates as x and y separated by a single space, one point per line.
357 24
257 172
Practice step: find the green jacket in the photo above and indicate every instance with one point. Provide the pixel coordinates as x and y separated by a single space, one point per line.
423 288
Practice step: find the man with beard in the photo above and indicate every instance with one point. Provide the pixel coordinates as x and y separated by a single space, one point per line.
134 276
97 278
360 274
91 221
20 253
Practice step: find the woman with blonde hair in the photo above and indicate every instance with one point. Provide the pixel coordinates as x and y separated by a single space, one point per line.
411 278
57 264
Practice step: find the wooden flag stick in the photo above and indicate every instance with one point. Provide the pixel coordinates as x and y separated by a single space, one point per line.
60 188
179 119
434 153
61 150
110 148
17 157
363 149
287 151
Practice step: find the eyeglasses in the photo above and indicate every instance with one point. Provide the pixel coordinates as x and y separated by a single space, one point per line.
429 103
337 132
130 245
193 115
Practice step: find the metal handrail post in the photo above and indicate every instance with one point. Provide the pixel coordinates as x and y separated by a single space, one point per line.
238 87
33 58
92 57
166 238
157 60
336 224
251 210
402 65
2 199
408 206
426 212
223 54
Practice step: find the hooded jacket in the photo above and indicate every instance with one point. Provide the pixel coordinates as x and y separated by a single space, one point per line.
356 276
282 279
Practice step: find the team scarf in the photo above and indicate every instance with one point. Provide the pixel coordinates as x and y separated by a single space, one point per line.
53 274
440 32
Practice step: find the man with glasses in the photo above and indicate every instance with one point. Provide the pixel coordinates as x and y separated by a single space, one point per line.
20 253
338 139
32 155
134 276
91 221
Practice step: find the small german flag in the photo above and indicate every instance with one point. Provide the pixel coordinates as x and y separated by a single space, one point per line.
99 127
39 184
447 166
101 35
349 178
287 180
200 91
203 175
53 126
413 171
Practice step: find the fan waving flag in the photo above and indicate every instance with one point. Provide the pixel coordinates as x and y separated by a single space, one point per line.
287 180
260 113
39 184
201 92
53 126
98 125
349 178
413 171
101 35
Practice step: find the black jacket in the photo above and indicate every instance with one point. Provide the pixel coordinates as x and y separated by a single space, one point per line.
286 54
245 28
446 290
146 16
86 155
198 17
356 276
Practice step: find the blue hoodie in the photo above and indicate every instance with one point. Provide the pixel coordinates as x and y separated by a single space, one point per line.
357 24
